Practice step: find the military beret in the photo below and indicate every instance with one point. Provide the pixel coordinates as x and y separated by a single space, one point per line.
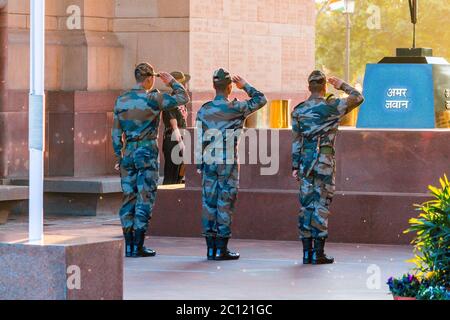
317 76
222 75
181 77
144 70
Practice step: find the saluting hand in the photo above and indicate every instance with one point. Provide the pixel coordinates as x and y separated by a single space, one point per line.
166 78
239 82
336 82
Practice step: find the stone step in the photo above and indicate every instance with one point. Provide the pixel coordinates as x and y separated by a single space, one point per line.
11 197
90 185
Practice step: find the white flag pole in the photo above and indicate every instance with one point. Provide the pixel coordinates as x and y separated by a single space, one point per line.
36 120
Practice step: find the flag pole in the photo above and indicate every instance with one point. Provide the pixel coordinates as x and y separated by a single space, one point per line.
36 120
347 46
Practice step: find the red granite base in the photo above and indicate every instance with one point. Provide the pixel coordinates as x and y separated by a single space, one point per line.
50 271
78 133
273 215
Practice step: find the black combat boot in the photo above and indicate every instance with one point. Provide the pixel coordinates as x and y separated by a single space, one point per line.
222 252
211 244
319 256
128 235
139 251
307 250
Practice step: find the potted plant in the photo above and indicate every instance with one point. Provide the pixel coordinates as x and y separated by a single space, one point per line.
432 250
405 288
432 240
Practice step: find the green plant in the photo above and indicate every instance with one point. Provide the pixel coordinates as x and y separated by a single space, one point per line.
408 286
432 240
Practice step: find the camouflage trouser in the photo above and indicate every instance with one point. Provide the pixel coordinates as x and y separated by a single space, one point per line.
316 194
139 170
220 188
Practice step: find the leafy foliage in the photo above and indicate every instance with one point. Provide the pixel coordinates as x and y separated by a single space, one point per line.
432 241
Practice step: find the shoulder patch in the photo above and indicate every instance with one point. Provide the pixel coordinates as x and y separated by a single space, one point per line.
331 99
153 95
123 94
205 104
295 111
300 105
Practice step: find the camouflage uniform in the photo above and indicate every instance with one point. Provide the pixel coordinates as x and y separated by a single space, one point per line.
136 120
221 176
315 127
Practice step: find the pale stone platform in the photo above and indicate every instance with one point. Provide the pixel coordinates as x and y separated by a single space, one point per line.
267 270
62 267
90 196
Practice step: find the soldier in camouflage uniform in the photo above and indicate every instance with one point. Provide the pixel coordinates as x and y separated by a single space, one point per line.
136 122
219 121
315 127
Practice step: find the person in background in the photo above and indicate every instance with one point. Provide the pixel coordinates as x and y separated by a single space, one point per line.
174 120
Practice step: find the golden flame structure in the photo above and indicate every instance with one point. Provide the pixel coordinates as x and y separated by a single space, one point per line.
277 115
280 114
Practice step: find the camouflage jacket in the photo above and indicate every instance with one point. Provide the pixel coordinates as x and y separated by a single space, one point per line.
315 122
137 114
225 118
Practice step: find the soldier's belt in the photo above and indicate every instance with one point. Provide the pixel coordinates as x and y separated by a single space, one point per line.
140 144
323 150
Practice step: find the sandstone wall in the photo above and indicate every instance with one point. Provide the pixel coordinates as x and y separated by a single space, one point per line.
270 42
79 59
156 31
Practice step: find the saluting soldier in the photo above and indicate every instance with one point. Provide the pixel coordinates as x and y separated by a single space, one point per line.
315 127
219 122
137 116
